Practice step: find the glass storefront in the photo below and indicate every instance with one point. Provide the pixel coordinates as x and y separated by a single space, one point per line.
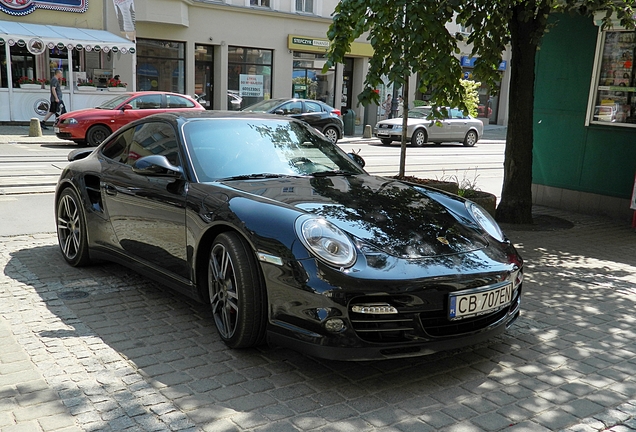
614 87
204 74
249 75
160 65
309 82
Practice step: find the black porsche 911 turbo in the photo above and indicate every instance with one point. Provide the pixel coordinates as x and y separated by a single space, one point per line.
287 238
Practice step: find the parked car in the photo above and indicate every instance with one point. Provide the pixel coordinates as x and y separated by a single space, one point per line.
287 237
92 125
455 127
234 101
317 114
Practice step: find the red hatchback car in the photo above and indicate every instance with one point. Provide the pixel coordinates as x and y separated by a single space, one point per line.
92 125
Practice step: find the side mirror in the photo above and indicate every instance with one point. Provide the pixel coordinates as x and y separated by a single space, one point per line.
156 165
357 159
126 107
279 112
78 154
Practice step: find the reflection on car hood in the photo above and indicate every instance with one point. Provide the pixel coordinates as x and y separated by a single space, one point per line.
398 219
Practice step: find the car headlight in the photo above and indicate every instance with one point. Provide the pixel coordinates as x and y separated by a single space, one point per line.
70 121
326 241
485 221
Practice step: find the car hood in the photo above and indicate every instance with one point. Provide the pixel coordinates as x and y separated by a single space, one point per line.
398 219
87 113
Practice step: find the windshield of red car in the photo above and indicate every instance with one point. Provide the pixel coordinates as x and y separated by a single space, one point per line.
114 103
226 148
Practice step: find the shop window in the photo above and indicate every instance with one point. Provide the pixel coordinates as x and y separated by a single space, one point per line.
308 80
4 82
261 3
23 65
249 74
306 6
614 88
160 65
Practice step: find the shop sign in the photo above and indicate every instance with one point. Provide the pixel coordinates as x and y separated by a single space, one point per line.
25 7
310 42
250 85
469 62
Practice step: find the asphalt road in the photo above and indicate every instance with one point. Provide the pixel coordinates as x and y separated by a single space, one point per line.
29 172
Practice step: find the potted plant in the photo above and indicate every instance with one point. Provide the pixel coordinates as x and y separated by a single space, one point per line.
116 85
44 83
28 83
87 85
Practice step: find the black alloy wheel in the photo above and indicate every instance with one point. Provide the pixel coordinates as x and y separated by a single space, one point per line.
237 295
71 228
96 134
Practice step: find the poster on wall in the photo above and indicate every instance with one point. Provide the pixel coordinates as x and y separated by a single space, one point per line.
125 10
25 7
250 85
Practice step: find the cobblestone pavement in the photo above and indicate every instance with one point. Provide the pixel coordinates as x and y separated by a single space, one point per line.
101 348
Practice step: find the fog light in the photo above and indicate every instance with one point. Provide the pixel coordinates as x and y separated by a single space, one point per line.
334 325
374 308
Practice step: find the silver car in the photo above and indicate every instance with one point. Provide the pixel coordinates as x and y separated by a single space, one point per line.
455 127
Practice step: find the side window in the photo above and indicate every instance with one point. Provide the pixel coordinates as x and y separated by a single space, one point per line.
295 107
147 102
153 138
312 107
173 101
117 149
456 114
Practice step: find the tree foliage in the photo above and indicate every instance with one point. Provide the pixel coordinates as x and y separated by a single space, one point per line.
411 37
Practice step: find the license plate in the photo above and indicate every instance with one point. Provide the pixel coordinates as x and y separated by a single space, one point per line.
479 302
56 129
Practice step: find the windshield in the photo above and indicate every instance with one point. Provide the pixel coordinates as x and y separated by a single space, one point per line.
419 113
228 148
115 102
263 106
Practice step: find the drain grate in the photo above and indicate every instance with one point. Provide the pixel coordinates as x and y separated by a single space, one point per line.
72 295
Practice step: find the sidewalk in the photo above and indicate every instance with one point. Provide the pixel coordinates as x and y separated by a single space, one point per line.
102 348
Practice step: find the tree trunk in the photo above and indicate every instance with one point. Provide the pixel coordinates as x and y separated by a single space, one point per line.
405 116
516 195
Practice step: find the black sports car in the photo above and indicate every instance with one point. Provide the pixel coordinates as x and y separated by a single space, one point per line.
288 238
317 114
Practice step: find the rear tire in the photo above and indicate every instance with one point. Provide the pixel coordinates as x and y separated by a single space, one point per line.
96 134
419 138
470 139
331 133
237 295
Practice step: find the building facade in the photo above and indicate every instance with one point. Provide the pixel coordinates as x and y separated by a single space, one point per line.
227 53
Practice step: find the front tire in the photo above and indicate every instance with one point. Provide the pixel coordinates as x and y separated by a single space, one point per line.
331 133
96 135
237 295
419 138
470 139
71 228
386 141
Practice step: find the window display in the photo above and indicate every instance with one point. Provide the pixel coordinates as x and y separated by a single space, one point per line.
615 91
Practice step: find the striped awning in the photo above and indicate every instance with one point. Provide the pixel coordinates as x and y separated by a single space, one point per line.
38 37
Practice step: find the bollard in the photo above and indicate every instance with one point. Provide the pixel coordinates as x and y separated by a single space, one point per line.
34 128
367 132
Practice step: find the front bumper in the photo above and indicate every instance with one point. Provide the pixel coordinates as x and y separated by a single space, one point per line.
421 326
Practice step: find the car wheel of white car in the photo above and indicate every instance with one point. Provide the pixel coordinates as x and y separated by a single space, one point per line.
471 139
419 138
331 133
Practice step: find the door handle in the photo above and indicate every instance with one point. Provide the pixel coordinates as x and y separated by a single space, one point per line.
109 189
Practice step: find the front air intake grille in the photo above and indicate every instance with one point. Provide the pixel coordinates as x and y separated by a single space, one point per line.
383 328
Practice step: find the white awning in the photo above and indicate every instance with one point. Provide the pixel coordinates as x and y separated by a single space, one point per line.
37 38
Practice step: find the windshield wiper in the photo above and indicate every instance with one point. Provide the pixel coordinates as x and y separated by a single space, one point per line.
256 176
332 173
